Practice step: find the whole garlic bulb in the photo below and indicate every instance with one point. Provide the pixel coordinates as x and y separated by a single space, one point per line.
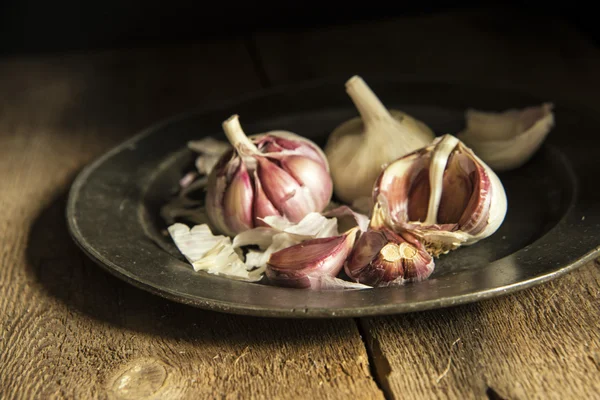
443 194
277 173
359 148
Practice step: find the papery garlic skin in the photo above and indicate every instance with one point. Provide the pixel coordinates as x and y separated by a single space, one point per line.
508 139
214 254
382 257
209 152
281 234
443 194
301 265
359 148
277 173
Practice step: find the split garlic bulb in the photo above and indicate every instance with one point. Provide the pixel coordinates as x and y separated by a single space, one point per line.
359 148
382 257
508 139
443 194
277 173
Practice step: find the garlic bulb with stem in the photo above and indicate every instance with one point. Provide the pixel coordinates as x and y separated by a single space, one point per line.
443 194
359 148
274 173
508 139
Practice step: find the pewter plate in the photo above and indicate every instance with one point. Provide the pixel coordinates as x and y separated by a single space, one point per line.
551 228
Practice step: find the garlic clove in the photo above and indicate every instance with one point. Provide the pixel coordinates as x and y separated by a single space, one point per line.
444 194
296 265
359 148
305 170
383 258
286 194
507 140
238 201
262 205
285 142
280 234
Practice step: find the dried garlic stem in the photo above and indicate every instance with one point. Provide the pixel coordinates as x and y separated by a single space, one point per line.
236 136
367 103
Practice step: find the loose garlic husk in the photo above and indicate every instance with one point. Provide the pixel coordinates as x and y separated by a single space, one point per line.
277 173
304 264
382 257
508 139
359 148
444 194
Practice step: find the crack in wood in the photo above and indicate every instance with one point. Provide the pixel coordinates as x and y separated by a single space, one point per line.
379 366
492 394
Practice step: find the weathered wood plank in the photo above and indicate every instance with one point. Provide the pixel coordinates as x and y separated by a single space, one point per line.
539 343
70 330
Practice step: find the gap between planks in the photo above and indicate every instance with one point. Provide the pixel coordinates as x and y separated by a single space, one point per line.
374 355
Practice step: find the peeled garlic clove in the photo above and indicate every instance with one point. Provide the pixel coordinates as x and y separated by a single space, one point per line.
302 264
508 139
444 194
359 148
383 258
284 175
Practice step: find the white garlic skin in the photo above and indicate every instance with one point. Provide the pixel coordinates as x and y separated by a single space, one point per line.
508 139
358 149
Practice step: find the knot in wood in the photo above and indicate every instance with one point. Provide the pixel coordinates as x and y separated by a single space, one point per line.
140 379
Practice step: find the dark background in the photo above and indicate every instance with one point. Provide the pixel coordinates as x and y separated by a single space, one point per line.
62 25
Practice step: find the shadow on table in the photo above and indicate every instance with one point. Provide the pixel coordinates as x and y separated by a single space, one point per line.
66 274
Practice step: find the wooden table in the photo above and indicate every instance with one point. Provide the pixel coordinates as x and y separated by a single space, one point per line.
70 330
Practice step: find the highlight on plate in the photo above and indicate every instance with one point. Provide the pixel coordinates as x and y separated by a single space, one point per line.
383 199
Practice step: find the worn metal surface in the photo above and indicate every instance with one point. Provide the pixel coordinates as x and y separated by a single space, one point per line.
551 228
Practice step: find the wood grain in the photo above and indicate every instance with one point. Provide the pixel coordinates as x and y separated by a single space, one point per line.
540 343
70 330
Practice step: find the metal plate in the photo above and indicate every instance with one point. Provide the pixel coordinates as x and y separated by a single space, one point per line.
551 228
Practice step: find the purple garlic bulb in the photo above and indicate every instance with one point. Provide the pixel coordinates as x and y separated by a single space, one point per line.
274 173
